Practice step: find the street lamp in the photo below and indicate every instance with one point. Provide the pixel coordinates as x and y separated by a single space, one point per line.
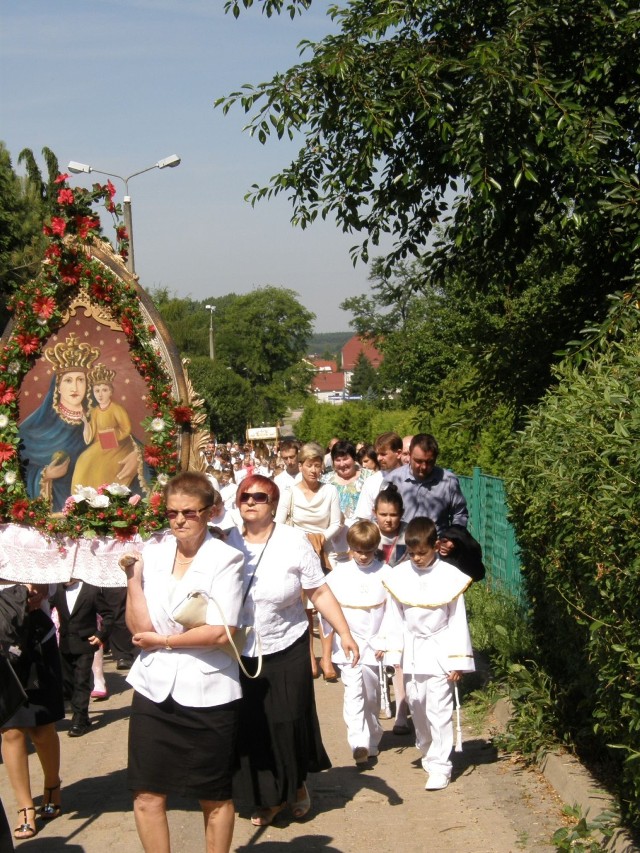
171 162
211 309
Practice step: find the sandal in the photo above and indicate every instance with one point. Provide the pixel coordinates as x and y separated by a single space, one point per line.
265 816
301 807
49 810
26 829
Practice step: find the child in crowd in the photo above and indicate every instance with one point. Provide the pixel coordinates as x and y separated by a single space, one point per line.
427 609
78 605
357 584
388 510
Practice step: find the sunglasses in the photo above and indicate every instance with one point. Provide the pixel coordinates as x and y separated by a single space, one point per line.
257 497
187 514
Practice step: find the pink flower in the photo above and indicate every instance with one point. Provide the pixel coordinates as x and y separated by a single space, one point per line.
134 500
61 178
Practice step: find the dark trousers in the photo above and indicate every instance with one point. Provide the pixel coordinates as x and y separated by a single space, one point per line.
77 680
120 637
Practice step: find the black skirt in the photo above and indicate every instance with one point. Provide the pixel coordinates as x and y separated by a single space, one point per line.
279 741
174 749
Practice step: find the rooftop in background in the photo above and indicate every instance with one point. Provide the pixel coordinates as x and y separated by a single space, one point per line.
322 365
352 349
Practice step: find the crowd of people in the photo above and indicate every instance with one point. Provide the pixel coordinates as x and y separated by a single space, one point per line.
369 539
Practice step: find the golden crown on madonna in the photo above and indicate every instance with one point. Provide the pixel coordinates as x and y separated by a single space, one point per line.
71 355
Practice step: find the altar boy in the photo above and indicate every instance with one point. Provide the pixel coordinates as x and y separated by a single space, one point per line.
427 606
357 584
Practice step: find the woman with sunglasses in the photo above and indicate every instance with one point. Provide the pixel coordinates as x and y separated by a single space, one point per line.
279 741
184 714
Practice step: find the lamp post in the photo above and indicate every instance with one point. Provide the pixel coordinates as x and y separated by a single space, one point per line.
171 162
212 352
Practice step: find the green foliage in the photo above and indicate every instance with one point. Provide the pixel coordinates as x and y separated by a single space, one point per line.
21 240
364 379
499 626
229 400
471 431
354 421
260 340
575 499
327 344
534 728
524 112
583 834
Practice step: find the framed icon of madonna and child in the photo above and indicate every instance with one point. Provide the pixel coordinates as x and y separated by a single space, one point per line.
94 409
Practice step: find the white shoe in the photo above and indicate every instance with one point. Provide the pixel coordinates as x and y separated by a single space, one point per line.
436 782
361 755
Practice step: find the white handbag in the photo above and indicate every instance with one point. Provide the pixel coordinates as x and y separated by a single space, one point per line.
192 613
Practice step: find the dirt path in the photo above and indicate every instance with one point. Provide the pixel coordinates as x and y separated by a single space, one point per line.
492 806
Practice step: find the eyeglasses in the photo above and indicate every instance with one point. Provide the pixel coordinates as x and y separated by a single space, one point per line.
257 497
187 514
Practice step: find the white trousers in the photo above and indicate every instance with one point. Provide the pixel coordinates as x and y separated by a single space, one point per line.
361 706
430 699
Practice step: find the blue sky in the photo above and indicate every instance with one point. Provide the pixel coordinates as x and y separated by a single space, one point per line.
121 84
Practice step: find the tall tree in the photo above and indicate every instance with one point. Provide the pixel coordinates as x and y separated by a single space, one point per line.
364 380
21 238
499 118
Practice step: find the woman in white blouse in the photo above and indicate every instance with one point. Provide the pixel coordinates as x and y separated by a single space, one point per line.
184 714
279 740
314 507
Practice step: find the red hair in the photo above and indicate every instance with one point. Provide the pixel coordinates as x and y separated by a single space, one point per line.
265 485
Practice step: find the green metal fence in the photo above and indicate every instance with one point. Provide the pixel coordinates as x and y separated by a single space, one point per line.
489 524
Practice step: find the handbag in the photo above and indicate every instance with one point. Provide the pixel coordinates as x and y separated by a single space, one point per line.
192 613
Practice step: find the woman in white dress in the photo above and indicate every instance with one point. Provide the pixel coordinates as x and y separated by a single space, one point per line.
314 507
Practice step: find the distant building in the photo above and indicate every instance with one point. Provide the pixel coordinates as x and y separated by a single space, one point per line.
351 352
328 387
331 385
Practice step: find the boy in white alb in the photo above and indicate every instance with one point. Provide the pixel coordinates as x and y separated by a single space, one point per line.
357 584
427 609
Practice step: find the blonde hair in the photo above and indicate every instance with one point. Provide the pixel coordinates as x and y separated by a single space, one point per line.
310 450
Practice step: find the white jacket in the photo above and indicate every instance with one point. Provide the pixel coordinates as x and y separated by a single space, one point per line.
196 677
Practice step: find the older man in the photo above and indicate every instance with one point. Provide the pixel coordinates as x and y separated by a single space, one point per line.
426 488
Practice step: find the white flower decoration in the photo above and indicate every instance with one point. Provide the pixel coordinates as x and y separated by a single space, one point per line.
117 489
99 502
163 479
4 421
13 367
84 493
10 477
158 425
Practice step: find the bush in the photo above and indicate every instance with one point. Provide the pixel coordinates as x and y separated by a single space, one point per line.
575 499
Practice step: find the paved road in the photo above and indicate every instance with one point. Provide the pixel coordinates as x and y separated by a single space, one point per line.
492 806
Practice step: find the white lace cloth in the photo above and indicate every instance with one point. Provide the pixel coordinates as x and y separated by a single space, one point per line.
26 556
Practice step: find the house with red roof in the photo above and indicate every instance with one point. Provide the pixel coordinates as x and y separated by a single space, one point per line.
330 385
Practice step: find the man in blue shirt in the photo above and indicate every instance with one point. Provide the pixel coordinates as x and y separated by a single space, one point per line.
426 488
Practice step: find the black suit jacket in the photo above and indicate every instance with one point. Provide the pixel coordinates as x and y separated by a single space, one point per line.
76 627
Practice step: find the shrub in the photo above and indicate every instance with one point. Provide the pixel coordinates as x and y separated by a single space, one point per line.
575 499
